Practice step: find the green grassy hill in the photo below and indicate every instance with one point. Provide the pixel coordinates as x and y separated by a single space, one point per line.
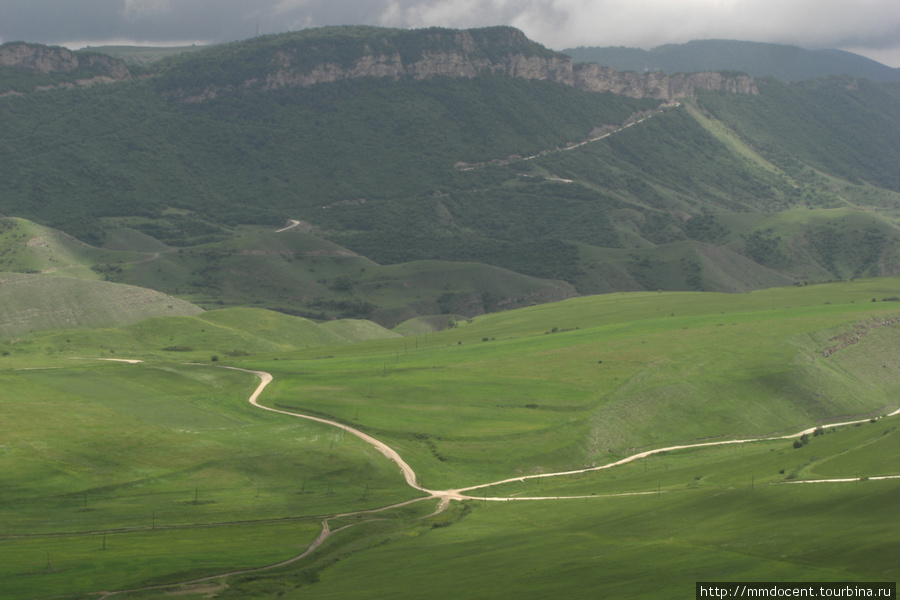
289 271
222 334
588 380
122 475
31 303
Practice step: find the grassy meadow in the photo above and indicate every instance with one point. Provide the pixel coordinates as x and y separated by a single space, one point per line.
119 476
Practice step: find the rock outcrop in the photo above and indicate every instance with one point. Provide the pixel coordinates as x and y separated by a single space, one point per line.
304 59
588 77
437 64
594 78
85 68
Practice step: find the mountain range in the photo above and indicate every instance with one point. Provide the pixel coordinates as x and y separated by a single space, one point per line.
393 174
788 63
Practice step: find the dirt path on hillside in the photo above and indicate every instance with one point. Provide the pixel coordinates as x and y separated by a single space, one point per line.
459 493
632 120
387 451
445 496
292 223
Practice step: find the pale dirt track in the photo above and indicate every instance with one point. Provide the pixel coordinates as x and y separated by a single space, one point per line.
445 496
458 494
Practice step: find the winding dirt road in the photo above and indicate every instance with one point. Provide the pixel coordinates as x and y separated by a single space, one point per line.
459 494
445 496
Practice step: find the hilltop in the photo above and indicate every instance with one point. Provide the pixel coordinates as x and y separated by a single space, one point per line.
788 63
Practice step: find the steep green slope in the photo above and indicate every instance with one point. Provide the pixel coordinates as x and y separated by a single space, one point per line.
286 270
26 247
723 192
262 157
302 274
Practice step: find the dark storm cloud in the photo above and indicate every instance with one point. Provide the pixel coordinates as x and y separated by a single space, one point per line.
866 26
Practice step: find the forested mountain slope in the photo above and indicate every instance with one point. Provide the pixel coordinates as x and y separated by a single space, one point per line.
467 146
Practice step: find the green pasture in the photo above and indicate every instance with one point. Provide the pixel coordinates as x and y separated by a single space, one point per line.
632 547
708 514
498 397
203 336
854 451
72 566
169 460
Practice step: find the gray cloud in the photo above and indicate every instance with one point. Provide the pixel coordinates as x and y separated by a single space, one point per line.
864 26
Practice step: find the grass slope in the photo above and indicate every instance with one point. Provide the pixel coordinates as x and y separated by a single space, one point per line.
207 336
30 303
589 380
292 271
133 458
158 463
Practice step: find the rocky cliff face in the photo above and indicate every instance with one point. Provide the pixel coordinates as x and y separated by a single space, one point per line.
395 54
594 78
85 69
590 77
437 64
462 64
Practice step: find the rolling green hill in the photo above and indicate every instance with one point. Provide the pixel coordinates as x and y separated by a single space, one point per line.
290 271
122 476
30 303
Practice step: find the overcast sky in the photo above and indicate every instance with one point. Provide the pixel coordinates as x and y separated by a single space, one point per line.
867 27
